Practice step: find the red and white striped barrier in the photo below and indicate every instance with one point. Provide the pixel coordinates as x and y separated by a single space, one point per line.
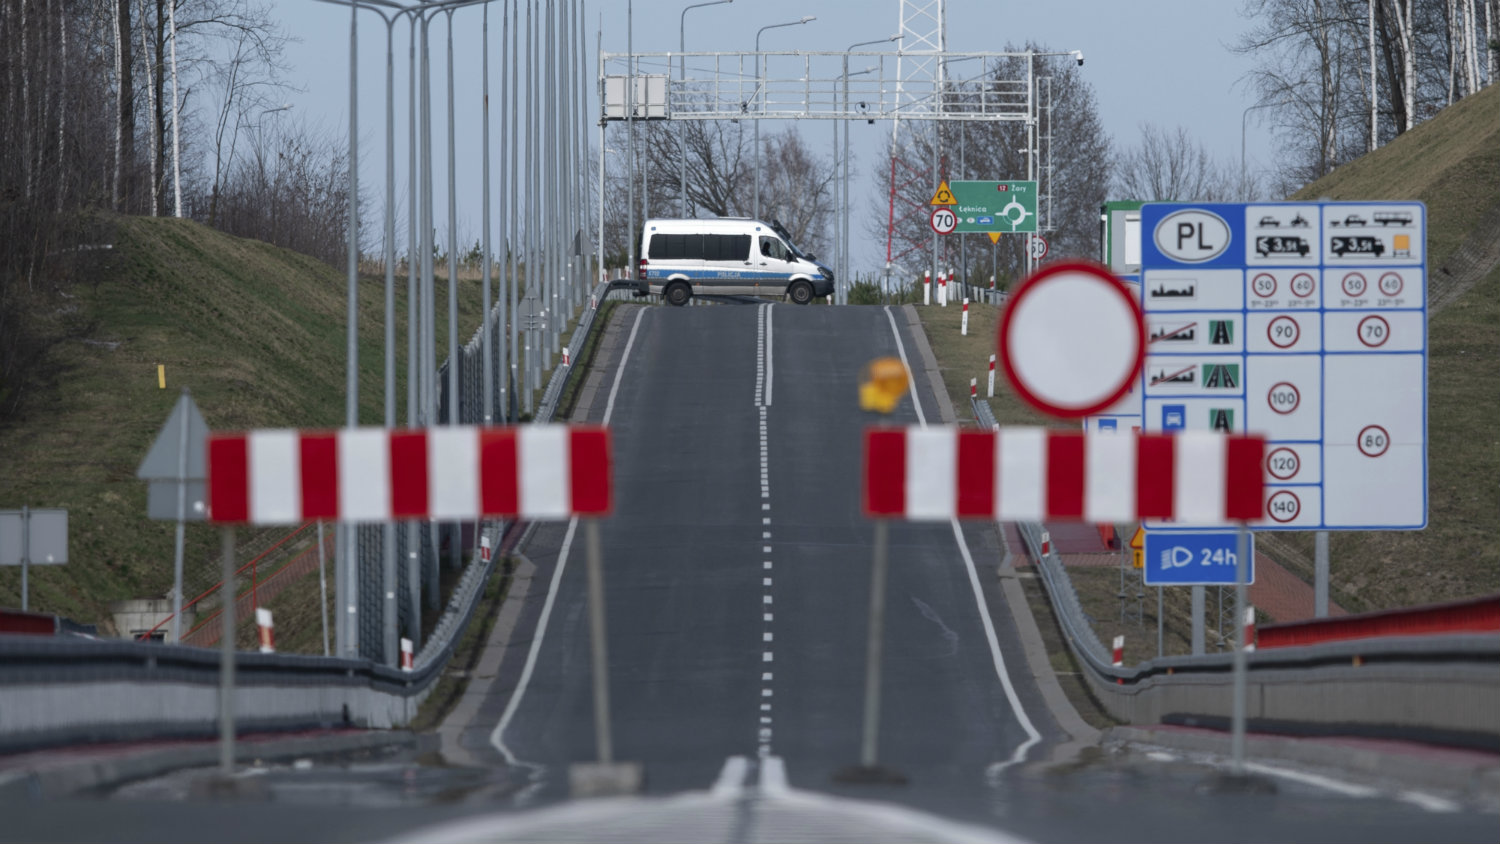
462 473
267 630
992 376
1035 474
927 287
964 330
1249 634
1118 656
1046 543
406 654
973 388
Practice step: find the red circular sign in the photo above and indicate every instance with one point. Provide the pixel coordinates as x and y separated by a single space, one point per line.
1284 398
1264 285
1373 441
1355 285
1072 340
943 220
1391 284
1284 506
1303 285
1284 332
1283 464
1374 331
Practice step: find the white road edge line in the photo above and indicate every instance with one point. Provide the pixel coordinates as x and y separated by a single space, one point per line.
1419 799
1032 736
911 381
773 777
497 738
731 782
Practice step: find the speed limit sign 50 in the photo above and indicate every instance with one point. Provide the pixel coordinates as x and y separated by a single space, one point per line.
943 220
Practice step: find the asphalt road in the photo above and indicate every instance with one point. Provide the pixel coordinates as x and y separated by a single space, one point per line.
737 571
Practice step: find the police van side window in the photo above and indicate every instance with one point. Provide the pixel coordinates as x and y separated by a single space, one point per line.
726 247
773 248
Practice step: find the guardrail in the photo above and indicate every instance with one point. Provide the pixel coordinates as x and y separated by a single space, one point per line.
1445 688
66 689
1480 615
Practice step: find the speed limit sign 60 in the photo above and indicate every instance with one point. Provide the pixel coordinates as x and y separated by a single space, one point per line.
943 220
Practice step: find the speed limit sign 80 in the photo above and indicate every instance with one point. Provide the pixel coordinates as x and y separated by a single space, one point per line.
943 220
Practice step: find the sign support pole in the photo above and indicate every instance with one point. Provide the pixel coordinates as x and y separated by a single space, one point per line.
182 457
1237 726
25 558
226 654
1159 624
1199 599
597 643
1320 574
876 645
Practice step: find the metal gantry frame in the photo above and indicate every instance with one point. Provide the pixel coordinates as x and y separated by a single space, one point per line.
740 85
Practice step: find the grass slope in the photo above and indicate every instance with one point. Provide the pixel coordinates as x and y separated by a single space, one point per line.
257 333
1452 163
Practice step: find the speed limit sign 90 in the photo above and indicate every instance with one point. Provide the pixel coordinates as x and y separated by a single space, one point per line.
944 221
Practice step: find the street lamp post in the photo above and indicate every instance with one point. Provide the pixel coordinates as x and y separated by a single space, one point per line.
682 78
844 180
760 94
1243 117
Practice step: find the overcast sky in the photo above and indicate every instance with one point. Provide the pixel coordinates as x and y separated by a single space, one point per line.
1159 61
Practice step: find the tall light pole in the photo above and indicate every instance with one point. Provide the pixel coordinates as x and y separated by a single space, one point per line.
760 94
682 77
1243 117
844 218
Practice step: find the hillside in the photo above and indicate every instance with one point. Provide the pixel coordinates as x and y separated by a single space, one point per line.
1452 163
256 332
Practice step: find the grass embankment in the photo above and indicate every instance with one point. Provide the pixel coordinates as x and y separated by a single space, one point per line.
257 333
1452 163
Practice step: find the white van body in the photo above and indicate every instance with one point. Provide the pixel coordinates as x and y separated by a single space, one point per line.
727 256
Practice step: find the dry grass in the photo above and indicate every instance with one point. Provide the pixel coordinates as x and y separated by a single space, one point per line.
256 332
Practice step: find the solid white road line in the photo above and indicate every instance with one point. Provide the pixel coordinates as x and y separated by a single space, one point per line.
731 781
1349 789
911 382
497 737
770 357
1032 736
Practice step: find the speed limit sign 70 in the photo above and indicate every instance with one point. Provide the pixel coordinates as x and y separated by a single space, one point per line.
943 220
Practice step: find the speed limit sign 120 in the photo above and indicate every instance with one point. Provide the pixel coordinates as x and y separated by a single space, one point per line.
943 220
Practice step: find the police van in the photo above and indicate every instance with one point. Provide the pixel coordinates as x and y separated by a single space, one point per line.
681 259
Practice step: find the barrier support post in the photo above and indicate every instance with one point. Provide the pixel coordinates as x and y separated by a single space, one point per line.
226 654
1237 727
597 643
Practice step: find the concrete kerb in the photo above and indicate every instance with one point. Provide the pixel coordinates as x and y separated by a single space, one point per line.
1476 781
1038 663
73 777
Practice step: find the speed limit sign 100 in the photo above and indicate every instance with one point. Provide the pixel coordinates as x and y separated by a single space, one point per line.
943 220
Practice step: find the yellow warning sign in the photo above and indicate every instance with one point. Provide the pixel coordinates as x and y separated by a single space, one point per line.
994 237
1137 549
1139 540
944 196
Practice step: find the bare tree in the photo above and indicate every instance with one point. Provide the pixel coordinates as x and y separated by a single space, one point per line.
1172 166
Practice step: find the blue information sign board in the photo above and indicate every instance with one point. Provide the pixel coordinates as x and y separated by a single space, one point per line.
1181 558
1305 322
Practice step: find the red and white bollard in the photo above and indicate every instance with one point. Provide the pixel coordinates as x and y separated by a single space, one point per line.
1119 653
565 356
992 376
927 287
992 282
593 303
1249 634
942 290
1046 543
267 630
406 654
964 328
484 549
973 388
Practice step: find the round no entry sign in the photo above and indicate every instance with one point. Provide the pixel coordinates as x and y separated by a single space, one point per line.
1072 340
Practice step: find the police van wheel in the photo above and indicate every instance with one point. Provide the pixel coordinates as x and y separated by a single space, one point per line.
800 292
678 294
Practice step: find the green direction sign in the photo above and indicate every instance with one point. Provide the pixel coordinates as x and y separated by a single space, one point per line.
1006 207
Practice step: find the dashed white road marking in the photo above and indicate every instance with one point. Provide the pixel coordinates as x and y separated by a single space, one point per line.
763 384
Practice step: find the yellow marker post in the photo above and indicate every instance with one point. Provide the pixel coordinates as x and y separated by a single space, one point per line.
161 376
882 384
